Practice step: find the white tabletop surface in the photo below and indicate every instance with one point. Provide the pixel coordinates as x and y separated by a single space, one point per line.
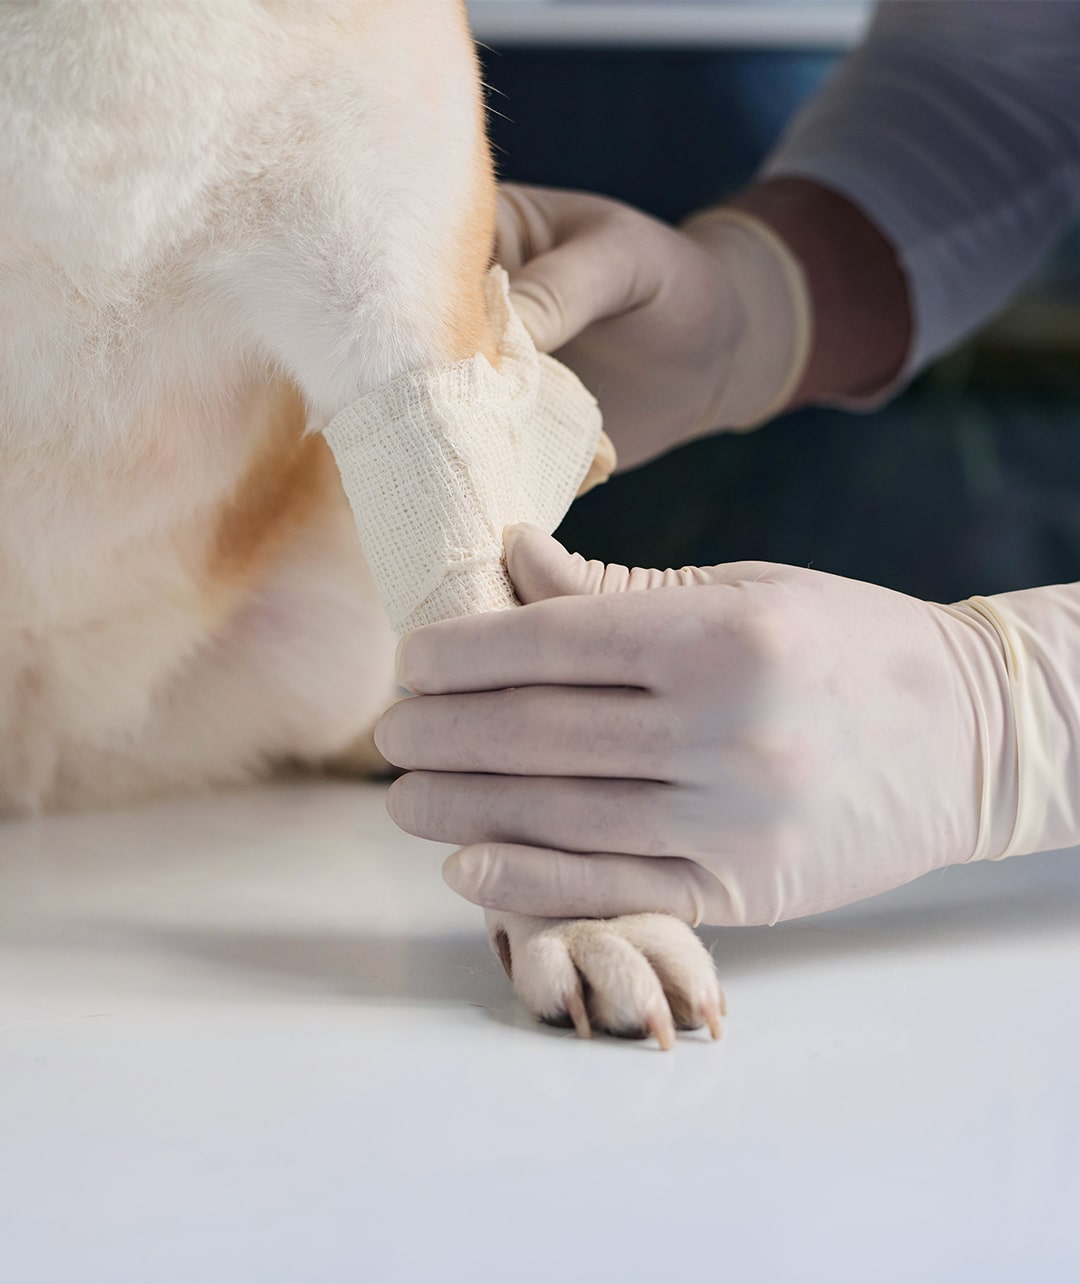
252 1038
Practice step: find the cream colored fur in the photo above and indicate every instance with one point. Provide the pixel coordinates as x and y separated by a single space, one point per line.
220 222
201 203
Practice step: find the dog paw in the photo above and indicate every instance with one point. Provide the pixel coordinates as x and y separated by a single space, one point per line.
631 977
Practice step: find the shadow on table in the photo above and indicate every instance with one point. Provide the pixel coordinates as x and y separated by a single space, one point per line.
424 969
452 971
969 906
984 906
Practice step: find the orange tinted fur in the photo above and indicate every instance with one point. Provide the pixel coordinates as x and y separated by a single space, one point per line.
291 476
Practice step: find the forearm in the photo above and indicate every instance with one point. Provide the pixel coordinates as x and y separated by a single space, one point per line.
926 181
860 305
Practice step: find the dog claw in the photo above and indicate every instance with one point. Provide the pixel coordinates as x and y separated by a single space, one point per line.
575 1007
661 1027
713 1013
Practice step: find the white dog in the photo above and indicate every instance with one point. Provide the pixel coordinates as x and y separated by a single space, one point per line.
220 222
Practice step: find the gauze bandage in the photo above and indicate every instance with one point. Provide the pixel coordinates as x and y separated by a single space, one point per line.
438 463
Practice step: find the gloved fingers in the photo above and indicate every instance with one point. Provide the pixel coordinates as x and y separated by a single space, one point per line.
608 732
637 817
568 265
567 641
531 221
559 884
523 225
541 568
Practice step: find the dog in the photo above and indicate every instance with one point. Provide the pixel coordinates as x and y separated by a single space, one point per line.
219 224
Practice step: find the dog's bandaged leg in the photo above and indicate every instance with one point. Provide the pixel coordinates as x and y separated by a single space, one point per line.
437 463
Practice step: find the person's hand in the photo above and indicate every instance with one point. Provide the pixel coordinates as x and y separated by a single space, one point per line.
675 332
732 744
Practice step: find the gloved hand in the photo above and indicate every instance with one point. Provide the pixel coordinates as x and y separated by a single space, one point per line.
675 332
730 744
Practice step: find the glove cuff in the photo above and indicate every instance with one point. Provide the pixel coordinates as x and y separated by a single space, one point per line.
773 348
1037 779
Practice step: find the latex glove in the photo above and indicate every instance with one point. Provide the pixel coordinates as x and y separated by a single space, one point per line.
731 744
676 332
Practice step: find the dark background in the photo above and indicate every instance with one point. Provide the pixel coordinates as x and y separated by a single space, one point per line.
968 483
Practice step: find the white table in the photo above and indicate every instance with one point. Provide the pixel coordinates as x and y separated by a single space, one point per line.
252 1038
716 24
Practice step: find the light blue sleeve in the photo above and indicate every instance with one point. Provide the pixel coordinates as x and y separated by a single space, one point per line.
956 128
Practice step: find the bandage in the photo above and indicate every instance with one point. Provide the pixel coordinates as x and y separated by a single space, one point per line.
437 463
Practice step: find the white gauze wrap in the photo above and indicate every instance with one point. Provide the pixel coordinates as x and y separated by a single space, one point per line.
438 462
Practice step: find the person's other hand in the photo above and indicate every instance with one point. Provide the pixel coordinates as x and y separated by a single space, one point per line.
676 332
732 744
